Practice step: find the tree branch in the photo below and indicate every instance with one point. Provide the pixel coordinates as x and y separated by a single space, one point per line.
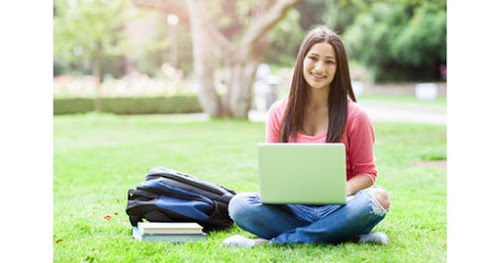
222 44
267 21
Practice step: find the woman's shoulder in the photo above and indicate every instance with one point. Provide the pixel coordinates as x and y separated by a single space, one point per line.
279 106
280 103
356 111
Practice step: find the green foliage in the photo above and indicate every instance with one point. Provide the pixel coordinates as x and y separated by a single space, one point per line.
311 13
97 158
424 39
397 39
340 14
112 66
88 30
369 39
287 37
73 105
129 105
394 40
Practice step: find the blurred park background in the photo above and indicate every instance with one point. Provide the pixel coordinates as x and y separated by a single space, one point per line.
231 58
138 61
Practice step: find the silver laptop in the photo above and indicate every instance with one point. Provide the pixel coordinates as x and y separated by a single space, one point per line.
302 173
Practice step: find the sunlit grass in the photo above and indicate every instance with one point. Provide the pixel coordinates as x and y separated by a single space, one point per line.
97 158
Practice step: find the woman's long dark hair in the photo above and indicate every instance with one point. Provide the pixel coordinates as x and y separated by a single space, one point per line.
340 88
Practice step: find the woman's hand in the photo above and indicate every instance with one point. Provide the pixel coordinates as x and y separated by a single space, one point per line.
358 182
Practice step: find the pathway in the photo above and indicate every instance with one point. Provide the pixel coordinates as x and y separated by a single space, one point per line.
389 113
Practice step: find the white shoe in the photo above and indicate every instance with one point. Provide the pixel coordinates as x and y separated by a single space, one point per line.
376 238
241 241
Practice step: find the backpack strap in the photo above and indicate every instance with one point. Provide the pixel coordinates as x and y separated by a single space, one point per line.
137 206
226 197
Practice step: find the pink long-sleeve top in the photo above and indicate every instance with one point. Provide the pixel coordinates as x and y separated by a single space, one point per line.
358 138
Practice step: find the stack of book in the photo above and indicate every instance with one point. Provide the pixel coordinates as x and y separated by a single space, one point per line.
168 231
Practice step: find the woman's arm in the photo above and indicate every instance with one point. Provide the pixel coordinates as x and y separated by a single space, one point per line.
274 121
361 140
358 182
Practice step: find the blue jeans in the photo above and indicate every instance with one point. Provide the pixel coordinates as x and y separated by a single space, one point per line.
295 223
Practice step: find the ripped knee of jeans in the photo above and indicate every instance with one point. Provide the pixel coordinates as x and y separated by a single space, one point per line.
380 200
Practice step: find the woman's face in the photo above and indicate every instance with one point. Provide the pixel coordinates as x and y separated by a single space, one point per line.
320 65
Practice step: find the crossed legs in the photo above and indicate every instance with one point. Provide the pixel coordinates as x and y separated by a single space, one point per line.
311 224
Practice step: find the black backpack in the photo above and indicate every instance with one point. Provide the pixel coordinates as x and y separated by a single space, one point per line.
171 196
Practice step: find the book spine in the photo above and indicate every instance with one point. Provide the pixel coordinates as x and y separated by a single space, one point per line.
181 229
176 238
136 233
177 232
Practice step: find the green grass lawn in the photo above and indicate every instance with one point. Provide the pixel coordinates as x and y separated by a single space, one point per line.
97 158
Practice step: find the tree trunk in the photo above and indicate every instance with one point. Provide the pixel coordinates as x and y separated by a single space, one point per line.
240 62
204 61
242 66
241 76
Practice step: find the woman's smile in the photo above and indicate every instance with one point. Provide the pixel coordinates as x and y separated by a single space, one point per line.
318 77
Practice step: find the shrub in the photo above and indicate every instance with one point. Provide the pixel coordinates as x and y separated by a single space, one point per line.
130 105
397 40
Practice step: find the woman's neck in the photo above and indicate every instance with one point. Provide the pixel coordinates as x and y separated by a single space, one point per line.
318 98
315 121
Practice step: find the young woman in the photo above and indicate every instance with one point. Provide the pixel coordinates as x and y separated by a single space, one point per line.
320 108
